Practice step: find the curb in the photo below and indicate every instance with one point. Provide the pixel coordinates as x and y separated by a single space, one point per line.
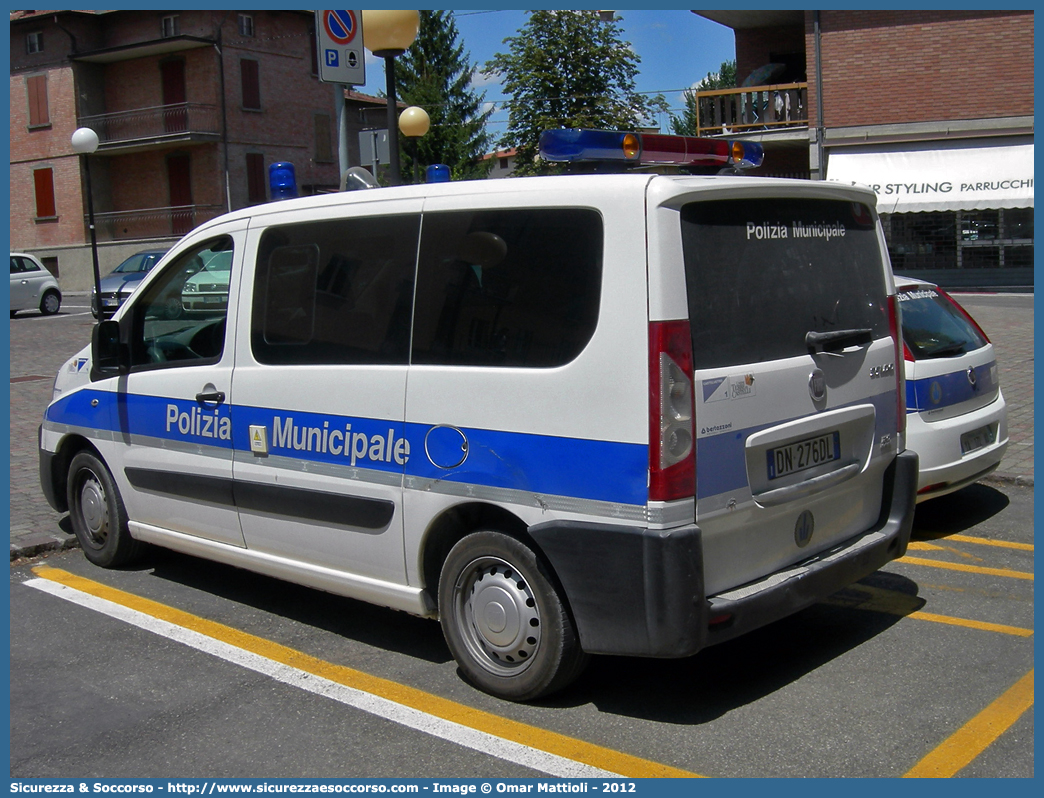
41 545
1019 480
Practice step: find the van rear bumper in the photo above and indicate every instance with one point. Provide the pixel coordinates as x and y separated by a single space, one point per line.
640 592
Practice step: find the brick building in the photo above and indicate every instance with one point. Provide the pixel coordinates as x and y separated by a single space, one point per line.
934 109
190 107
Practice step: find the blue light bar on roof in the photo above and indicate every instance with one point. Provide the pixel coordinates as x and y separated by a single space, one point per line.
573 145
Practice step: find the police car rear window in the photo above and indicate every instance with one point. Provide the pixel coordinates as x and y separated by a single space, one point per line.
933 327
762 273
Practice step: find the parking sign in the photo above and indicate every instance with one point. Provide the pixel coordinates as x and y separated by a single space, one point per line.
340 42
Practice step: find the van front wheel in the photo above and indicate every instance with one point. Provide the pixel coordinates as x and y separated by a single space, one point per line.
97 513
504 621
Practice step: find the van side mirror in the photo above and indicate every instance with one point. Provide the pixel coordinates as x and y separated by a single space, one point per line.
107 354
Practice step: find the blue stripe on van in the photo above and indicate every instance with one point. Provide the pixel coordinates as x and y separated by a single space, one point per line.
721 463
932 393
572 467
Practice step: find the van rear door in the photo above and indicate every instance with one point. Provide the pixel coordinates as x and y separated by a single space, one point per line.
795 375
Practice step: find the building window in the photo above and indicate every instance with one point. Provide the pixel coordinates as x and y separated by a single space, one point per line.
255 167
43 184
323 148
34 42
251 84
246 25
948 240
36 91
169 26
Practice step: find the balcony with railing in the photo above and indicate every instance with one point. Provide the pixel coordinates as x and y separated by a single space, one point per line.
144 127
152 222
752 109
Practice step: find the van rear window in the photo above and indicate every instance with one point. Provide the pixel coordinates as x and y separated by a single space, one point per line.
762 273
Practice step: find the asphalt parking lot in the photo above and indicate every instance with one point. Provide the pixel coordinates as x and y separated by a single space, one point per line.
922 669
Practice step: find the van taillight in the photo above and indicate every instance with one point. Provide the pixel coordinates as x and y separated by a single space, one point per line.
898 347
672 442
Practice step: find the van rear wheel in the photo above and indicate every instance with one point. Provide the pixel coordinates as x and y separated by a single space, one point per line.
98 516
504 621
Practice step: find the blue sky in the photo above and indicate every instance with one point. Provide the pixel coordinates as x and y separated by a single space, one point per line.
677 49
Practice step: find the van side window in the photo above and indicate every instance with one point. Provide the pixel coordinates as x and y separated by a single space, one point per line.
180 318
516 287
335 292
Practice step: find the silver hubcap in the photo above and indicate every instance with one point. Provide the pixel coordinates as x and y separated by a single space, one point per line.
93 509
498 615
51 303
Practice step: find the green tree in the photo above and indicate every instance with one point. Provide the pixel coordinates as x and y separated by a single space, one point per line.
435 74
567 69
724 78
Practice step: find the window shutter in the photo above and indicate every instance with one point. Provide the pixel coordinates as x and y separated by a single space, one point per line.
39 113
255 163
43 182
251 84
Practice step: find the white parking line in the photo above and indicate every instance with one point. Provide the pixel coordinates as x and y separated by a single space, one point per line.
462 735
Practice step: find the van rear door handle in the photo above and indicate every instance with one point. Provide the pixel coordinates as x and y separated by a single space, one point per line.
837 340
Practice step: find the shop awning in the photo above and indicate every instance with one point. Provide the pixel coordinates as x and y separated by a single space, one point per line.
940 176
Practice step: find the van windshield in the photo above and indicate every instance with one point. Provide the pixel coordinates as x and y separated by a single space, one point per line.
763 273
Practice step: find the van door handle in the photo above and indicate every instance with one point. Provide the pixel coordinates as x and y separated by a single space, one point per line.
217 397
837 340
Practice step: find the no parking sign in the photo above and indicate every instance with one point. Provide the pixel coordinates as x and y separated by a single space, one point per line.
340 44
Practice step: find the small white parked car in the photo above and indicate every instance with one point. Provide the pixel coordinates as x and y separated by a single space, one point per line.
956 414
32 286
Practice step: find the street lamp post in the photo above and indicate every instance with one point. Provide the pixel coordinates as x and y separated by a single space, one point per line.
85 142
387 34
414 123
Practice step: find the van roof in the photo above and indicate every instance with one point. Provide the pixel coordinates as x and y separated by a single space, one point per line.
584 185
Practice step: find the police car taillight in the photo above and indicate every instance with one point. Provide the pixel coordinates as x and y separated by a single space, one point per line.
898 347
672 444
573 145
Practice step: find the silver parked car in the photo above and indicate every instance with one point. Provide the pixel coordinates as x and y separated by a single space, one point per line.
118 284
32 286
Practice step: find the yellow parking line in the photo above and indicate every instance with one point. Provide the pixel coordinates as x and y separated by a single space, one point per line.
1018 631
1004 544
894 602
521 733
974 569
961 748
920 545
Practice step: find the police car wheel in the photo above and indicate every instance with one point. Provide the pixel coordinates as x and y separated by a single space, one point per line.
504 621
97 513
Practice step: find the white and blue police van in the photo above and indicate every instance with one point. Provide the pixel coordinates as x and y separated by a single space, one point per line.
615 413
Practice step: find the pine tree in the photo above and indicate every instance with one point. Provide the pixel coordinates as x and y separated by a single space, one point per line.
724 78
435 74
567 69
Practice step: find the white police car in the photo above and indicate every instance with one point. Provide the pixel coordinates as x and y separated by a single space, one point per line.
631 414
956 414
